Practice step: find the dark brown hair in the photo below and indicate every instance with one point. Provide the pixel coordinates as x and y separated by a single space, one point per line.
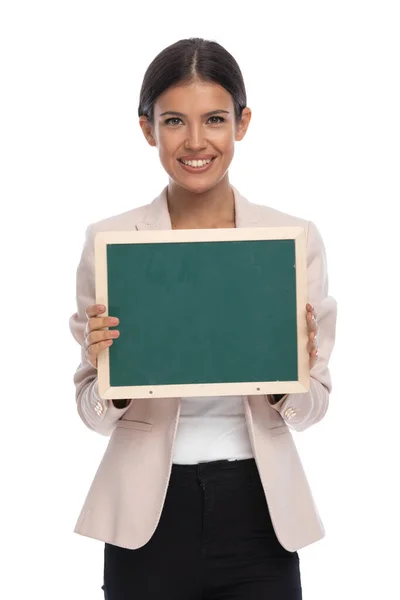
189 60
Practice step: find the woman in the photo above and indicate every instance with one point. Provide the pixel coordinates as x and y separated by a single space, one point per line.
200 497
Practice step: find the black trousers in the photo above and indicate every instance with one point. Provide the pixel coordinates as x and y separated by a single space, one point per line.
214 541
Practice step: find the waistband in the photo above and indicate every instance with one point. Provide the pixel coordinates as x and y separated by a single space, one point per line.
217 470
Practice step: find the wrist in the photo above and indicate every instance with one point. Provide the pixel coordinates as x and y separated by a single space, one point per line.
276 397
122 403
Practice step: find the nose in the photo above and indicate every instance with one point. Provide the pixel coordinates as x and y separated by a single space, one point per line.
195 139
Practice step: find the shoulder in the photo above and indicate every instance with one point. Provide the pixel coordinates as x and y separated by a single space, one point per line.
124 221
267 216
277 218
146 216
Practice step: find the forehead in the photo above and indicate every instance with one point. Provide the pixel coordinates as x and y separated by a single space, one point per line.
198 97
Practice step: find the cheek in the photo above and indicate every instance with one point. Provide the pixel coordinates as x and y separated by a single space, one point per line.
227 149
225 142
168 146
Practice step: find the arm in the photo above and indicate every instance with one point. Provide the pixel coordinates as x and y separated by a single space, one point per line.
96 413
302 410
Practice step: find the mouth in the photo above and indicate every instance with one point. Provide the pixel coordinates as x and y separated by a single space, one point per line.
201 169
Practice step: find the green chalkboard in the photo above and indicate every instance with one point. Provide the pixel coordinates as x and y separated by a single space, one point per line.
207 315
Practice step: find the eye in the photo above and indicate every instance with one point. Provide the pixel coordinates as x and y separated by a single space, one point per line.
167 121
221 120
172 120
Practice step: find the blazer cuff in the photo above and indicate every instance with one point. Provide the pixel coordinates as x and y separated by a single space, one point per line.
300 411
107 406
101 414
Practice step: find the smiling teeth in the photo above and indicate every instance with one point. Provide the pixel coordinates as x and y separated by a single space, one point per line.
196 163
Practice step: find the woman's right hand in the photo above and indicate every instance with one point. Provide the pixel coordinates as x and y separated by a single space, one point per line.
96 337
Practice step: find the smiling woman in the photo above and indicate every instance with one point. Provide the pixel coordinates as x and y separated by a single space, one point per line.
205 496
204 100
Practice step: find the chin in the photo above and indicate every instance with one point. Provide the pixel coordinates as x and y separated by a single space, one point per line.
199 187
192 186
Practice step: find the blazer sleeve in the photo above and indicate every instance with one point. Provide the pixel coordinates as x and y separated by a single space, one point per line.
97 414
300 411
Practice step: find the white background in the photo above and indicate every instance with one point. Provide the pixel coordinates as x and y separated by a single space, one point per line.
323 82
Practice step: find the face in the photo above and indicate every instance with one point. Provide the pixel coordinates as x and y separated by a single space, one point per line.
192 122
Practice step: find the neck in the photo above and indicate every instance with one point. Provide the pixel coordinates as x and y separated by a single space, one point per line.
212 208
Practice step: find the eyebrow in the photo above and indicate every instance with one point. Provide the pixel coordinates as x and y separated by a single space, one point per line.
208 114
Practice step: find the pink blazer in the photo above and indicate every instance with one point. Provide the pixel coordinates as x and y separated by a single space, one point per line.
125 500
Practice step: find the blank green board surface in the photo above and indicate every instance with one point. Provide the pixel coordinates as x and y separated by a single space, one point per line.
203 312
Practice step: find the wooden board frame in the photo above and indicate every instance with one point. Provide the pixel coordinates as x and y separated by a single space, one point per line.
102 239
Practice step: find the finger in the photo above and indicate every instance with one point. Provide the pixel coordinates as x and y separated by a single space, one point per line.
101 322
100 336
311 322
94 309
94 350
312 343
313 358
310 308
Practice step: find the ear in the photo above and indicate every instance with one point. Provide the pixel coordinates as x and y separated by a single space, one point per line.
243 124
147 129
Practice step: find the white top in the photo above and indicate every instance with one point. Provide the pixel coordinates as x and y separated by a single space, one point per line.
211 428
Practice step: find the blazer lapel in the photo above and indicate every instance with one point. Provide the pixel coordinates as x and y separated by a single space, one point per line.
156 216
247 214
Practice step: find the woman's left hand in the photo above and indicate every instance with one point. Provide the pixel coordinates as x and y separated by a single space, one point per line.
312 326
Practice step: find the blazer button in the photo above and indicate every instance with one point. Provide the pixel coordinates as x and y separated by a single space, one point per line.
98 408
290 412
